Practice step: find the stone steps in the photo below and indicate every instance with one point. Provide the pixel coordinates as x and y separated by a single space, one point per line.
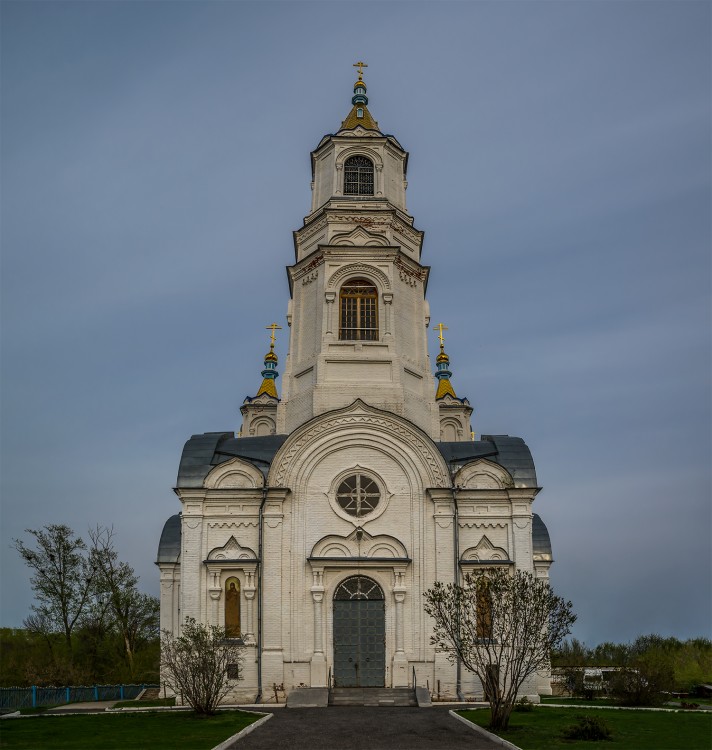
372 697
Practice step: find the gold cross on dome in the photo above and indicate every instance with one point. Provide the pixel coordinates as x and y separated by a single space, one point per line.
360 65
274 327
440 328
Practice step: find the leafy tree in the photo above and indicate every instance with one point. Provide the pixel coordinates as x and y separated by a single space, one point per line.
195 664
503 627
134 615
63 579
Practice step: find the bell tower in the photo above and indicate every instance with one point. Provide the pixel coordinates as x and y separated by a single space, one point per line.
358 315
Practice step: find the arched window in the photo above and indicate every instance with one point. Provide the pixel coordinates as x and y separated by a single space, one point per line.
358 311
359 587
358 176
232 608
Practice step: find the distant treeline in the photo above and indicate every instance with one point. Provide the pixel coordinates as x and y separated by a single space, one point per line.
685 663
99 657
89 622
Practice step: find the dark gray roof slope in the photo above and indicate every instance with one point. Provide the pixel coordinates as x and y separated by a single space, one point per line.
511 453
169 546
203 452
541 544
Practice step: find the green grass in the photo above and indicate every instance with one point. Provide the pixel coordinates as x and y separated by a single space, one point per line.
169 730
541 729
146 704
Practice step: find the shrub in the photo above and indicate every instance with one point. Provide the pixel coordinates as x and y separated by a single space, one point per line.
524 705
588 728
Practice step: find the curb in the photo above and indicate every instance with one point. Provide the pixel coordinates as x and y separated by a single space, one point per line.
581 707
477 728
243 732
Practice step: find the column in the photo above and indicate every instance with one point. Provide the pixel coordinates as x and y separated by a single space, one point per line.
215 591
272 600
443 520
387 308
400 661
329 297
318 660
248 636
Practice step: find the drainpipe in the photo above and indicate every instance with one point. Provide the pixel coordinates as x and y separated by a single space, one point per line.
258 697
456 561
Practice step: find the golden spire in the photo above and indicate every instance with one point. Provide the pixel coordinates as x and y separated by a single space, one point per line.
269 374
443 362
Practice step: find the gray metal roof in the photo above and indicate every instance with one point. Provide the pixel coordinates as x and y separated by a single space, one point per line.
511 453
169 546
541 544
202 453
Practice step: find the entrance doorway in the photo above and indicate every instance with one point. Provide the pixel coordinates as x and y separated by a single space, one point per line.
359 634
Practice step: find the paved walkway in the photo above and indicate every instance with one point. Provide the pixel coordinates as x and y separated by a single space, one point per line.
363 728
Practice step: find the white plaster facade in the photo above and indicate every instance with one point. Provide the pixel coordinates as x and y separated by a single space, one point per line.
263 507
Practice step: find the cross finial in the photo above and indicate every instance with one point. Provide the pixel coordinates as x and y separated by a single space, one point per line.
274 327
360 65
440 328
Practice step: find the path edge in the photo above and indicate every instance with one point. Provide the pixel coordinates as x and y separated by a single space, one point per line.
225 744
477 728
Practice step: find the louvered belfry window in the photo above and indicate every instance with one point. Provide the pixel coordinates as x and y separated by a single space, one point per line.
359 311
358 176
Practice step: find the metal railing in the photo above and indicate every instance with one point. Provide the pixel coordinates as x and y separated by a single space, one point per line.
34 696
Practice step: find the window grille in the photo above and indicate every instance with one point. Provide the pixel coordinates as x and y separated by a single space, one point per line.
358 176
359 587
359 311
358 495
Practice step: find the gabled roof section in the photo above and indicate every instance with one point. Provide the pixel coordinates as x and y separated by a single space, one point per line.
353 120
204 452
511 453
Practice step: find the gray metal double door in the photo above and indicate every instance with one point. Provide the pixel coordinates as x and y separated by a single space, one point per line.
359 643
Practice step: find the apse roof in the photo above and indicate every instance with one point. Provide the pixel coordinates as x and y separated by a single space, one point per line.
169 546
541 544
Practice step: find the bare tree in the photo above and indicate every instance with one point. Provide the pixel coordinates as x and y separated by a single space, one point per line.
63 578
132 613
502 627
196 664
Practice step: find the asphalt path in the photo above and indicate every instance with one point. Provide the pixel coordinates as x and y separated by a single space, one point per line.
363 728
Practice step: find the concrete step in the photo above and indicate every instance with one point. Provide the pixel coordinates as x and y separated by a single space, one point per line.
372 697
150 694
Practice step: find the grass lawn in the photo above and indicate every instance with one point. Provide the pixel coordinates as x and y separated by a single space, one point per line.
169 730
541 729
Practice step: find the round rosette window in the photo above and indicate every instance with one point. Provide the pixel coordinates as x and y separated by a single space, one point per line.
358 495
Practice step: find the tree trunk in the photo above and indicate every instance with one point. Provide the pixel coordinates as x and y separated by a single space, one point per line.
499 715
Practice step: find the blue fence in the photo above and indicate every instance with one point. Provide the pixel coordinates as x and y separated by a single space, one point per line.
31 697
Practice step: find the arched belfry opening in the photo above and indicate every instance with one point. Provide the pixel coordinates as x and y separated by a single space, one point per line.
359 633
358 176
358 311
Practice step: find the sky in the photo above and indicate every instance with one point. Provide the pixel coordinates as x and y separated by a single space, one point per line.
155 161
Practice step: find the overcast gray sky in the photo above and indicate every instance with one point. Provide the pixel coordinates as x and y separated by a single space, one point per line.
155 160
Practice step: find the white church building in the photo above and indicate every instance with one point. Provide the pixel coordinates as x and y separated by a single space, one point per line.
312 534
